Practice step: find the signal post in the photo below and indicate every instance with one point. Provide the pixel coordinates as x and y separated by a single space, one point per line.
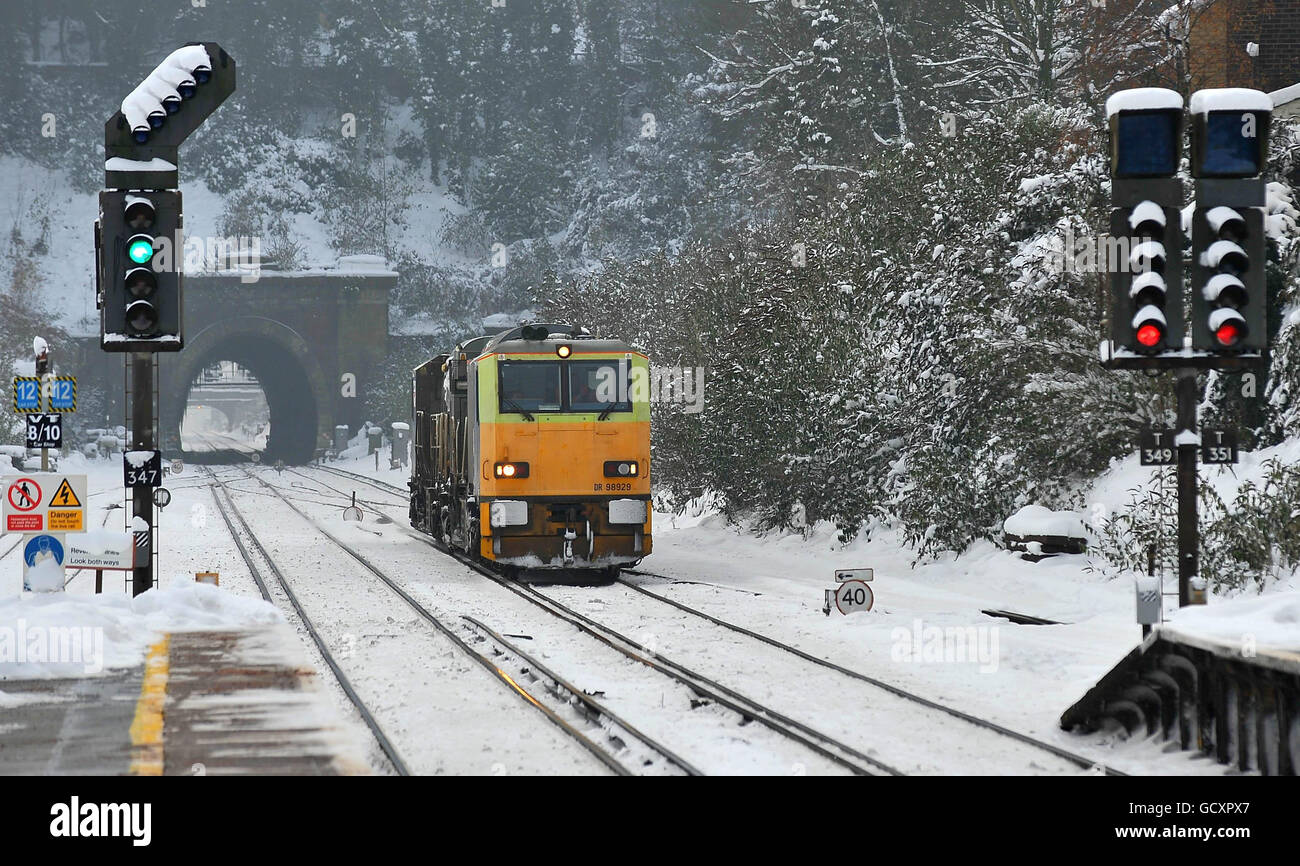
139 248
1147 313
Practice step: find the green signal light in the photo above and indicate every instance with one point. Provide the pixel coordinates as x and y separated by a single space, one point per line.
140 251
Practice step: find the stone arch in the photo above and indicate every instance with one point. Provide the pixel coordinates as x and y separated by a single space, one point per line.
295 386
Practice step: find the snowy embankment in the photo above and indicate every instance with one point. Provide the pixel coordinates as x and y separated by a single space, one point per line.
58 634
79 633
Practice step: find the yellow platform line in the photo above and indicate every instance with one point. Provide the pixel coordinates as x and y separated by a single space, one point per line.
147 726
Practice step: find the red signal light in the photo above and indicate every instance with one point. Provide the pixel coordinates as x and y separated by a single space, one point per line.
1150 335
1228 334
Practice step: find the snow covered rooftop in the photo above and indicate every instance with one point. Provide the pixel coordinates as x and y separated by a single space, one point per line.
1039 520
352 266
1230 99
1286 102
1143 98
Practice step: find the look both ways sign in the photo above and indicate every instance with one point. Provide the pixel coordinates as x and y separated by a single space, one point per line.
44 502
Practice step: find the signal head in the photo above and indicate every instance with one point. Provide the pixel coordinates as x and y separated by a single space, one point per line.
1226 223
141 317
1226 290
1149 328
139 214
1229 132
1147 220
1145 132
141 282
1226 257
1229 327
1148 289
139 249
1147 257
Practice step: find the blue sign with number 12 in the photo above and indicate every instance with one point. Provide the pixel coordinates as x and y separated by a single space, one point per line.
63 394
27 394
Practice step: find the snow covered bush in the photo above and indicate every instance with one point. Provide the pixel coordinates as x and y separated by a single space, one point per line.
911 351
1256 537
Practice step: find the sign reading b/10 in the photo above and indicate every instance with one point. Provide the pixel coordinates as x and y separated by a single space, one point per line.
44 431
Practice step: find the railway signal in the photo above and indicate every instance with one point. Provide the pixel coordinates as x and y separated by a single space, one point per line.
1229 136
138 242
140 271
1229 142
1144 257
1148 283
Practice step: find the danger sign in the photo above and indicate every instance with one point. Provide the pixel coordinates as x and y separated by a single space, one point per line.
65 497
28 507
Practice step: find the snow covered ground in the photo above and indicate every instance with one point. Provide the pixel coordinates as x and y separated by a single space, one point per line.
926 632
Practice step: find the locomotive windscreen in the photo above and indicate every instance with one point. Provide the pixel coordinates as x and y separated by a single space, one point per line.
531 387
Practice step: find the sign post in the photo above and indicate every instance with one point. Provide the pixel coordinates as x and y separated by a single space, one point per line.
852 592
102 550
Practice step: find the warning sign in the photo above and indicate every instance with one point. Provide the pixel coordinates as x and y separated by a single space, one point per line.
24 494
24 523
66 521
27 508
65 497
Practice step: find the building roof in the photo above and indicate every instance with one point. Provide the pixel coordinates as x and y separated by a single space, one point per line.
1286 102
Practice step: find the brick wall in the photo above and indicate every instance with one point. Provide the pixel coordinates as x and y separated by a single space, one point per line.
1279 49
1220 35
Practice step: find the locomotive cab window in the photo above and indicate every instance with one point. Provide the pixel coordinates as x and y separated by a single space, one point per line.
595 386
530 386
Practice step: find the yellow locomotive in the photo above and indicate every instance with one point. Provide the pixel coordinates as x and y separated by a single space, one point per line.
532 451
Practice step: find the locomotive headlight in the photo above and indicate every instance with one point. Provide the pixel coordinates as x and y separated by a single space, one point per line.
564 351
621 469
510 470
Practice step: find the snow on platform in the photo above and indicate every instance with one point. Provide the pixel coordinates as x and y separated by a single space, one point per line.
231 702
1262 622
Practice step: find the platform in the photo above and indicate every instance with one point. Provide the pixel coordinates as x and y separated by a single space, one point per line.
203 703
1206 694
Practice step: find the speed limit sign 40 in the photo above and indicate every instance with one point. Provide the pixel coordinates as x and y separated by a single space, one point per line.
853 596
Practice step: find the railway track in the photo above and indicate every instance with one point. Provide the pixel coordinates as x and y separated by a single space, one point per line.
353 476
231 515
620 739
601 631
1074 758
828 749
